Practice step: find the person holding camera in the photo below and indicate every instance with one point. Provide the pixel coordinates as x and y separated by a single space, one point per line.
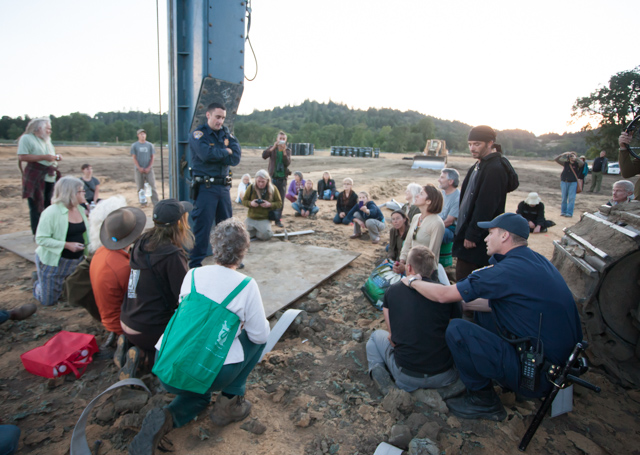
523 310
569 180
261 198
279 156
213 150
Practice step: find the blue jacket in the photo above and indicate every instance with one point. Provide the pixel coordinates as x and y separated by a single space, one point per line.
209 156
374 212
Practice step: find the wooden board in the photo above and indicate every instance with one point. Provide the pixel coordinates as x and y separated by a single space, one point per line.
282 277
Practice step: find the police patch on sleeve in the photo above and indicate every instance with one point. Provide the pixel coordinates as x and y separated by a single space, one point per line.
198 134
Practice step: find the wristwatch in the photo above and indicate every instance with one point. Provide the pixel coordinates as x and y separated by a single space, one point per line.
411 280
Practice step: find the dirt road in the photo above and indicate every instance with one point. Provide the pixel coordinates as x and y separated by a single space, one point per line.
312 392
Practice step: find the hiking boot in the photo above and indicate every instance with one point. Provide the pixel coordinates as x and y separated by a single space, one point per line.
23 312
452 390
382 379
156 424
227 410
279 224
110 341
120 356
131 366
480 404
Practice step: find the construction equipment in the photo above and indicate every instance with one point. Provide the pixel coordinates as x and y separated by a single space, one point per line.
434 156
599 258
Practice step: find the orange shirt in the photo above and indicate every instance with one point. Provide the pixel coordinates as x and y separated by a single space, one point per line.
109 273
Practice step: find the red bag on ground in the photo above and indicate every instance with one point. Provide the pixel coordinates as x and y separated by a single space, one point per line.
62 354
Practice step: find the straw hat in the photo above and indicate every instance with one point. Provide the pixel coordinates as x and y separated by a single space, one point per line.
533 199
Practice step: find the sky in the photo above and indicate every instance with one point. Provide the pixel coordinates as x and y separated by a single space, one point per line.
503 63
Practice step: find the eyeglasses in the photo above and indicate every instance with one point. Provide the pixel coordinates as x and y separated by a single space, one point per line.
82 191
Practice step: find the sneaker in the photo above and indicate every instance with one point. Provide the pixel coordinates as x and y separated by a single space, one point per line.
481 404
131 366
23 312
120 356
227 410
297 214
156 424
382 379
375 241
355 236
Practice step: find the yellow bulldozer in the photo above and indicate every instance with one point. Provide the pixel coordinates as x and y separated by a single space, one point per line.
434 156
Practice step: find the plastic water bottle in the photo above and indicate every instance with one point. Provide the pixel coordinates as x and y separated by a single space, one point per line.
147 189
142 197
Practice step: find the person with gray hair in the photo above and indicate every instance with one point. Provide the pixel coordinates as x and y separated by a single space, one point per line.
219 284
40 174
448 182
409 209
261 197
622 192
61 237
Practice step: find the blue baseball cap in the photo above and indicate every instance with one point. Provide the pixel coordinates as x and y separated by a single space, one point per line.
510 222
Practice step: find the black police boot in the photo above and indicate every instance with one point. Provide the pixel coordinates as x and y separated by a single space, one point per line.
479 404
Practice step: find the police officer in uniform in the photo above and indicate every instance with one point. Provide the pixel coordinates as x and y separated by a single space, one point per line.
523 309
213 149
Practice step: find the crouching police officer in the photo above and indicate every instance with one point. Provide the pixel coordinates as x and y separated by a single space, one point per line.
526 319
213 149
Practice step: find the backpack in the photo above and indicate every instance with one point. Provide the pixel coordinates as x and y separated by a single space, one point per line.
197 340
379 281
512 176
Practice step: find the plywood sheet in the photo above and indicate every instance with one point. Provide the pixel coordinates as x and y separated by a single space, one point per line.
286 271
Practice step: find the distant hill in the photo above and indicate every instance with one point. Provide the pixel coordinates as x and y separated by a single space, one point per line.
326 124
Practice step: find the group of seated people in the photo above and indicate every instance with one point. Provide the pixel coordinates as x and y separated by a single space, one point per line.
519 302
139 279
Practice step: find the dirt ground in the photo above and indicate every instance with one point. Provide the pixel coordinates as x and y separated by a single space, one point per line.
312 392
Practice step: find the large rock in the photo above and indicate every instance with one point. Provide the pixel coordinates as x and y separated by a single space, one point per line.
400 436
398 400
130 400
423 447
429 430
432 399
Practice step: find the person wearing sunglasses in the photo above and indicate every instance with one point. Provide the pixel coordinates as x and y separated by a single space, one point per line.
427 228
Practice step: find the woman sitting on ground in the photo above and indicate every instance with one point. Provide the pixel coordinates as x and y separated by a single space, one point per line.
91 184
63 232
327 187
295 186
427 228
345 202
242 187
306 204
397 234
409 208
261 198
158 266
366 215
210 285
532 210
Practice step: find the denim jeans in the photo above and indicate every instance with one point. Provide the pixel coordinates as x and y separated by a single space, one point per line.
568 197
295 206
9 439
4 316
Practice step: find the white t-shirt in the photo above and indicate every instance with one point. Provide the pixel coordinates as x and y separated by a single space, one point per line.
217 282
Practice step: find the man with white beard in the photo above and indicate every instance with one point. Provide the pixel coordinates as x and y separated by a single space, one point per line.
40 174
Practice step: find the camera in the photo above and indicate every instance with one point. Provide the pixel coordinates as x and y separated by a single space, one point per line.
259 201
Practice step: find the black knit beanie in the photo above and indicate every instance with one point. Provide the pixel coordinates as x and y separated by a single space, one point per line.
482 133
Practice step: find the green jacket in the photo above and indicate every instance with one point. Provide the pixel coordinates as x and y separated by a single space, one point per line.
260 213
52 233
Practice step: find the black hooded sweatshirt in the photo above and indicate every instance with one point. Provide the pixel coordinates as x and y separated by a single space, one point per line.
154 286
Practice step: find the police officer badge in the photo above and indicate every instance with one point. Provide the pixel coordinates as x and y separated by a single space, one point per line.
198 134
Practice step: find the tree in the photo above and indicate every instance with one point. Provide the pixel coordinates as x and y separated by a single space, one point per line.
613 105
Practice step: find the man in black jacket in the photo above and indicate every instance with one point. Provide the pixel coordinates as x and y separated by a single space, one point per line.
482 197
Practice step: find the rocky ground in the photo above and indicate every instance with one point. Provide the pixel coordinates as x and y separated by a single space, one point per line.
311 395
